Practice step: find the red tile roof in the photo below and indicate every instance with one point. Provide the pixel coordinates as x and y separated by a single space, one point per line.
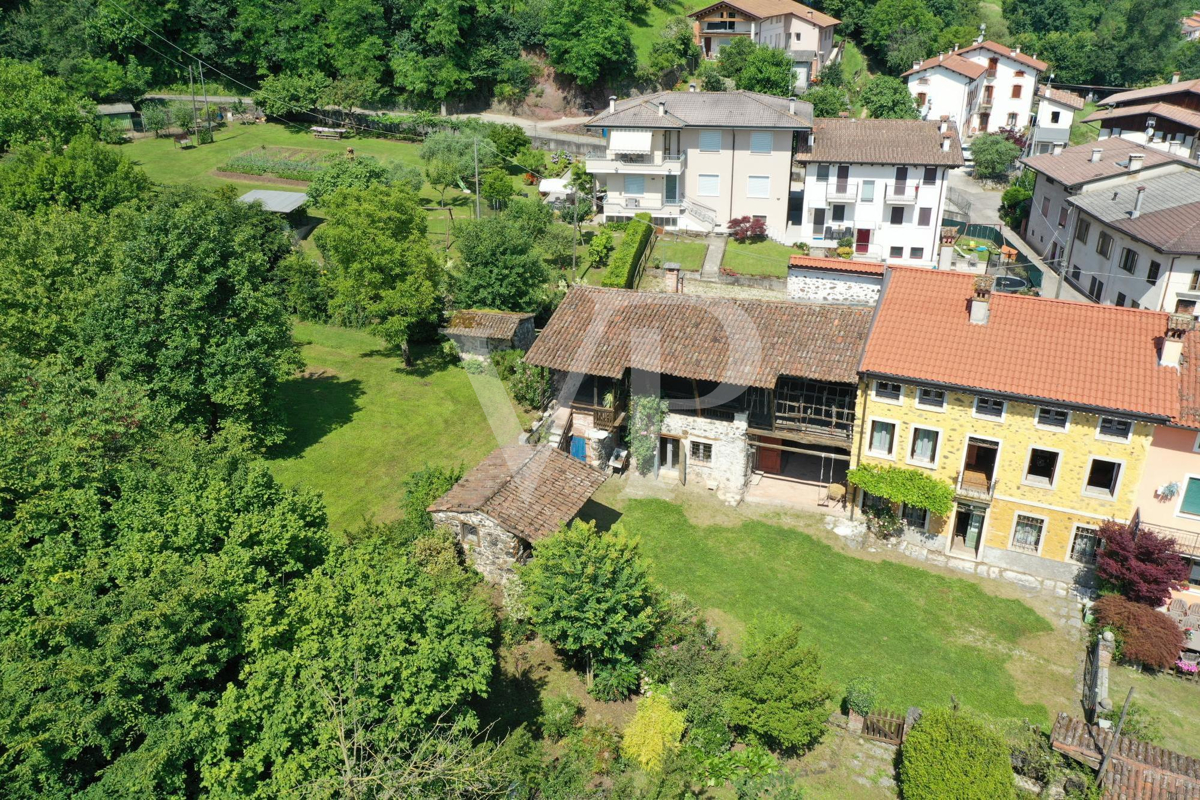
1061 96
837 265
1165 110
951 61
1161 90
1189 382
838 140
761 9
1138 770
530 491
1074 165
486 324
1007 52
1082 354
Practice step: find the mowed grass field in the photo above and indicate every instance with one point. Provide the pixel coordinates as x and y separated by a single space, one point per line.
758 258
360 422
921 635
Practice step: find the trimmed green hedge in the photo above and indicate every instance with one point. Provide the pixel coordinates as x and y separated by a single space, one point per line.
949 754
620 267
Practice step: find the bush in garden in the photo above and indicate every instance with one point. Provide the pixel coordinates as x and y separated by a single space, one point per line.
747 229
948 754
653 733
1029 749
860 695
1140 723
623 264
599 250
1148 637
529 385
506 362
559 715
1143 568
614 680
777 695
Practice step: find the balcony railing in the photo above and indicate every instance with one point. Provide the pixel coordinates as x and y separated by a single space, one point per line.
663 164
1187 541
842 191
975 486
604 418
991 73
901 193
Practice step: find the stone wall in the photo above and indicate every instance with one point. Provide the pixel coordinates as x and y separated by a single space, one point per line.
493 550
523 338
728 471
820 286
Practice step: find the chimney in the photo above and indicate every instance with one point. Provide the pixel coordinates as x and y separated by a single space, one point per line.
979 303
1137 203
1172 345
810 13
941 57
1058 148
612 103
916 64
946 137
673 278
691 87
1018 50
662 108
944 123
1136 160
1096 153
1174 77
1012 52
791 105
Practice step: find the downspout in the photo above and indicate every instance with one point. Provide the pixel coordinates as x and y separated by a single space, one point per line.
1162 300
732 173
1064 266
887 279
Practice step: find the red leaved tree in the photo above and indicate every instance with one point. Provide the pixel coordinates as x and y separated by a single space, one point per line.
1148 637
1144 567
747 229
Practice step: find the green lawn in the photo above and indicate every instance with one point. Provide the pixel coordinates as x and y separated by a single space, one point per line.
1081 133
758 258
360 422
1172 701
689 255
857 73
645 28
922 636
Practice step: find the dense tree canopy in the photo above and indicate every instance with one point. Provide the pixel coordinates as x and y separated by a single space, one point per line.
38 109
84 175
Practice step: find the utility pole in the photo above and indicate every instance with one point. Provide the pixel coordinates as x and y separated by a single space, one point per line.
476 177
1115 739
204 88
192 89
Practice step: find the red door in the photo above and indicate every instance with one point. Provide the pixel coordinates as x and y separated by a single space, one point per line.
862 240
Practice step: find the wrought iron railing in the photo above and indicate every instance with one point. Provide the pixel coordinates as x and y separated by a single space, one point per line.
1187 541
984 489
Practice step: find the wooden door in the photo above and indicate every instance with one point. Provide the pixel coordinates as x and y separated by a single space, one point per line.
862 240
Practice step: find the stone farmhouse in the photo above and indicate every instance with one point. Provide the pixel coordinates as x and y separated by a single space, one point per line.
516 496
834 280
981 88
756 389
479 333
1164 117
805 34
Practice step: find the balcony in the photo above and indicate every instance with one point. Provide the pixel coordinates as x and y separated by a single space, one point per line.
842 192
1188 542
897 194
637 164
973 485
985 105
990 74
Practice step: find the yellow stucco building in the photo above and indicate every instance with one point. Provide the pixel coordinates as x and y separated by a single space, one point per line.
1039 413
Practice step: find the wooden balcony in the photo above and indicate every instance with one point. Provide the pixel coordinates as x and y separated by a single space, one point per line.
972 485
603 418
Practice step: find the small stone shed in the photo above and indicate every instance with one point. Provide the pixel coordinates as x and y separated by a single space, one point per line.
834 280
478 333
517 496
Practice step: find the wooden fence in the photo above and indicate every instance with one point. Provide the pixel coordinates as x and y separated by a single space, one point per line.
884 726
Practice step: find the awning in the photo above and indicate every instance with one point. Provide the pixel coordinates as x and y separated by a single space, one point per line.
630 141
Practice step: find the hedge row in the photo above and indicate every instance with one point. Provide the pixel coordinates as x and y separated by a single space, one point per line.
621 266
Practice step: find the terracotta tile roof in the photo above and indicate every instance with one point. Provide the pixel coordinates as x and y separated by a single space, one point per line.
1007 52
951 61
485 324
1189 382
1074 165
761 9
1081 354
741 342
837 264
530 491
1170 217
1061 96
1161 90
837 140
1165 110
1140 771
740 109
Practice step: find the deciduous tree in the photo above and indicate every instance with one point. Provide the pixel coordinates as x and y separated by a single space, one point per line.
84 175
38 109
501 269
888 98
1144 567
768 71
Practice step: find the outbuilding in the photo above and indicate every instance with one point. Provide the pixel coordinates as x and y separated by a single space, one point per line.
480 332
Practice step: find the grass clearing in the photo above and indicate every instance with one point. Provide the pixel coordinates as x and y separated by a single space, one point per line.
645 28
922 635
689 255
758 258
1081 133
360 422
1171 700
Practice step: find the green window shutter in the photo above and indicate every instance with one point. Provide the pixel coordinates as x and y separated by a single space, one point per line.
1191 497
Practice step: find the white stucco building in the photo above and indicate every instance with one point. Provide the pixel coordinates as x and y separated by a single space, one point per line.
695 160
982 88
804 33
1052 124
879 182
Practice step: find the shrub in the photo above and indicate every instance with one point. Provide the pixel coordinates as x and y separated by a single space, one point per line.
530 385
1029 750
599 250
506 362
952 755
902 485
1144 567
614 680
778 696
1147 636
646 416
994 155
559 715
622 265
860 695
1140 723
653 733
747 229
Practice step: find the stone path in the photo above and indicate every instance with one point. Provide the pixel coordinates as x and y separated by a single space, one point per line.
712 259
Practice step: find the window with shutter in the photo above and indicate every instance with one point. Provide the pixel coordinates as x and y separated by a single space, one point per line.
710 185
710 141
1191 498
635 184
758 186
760 141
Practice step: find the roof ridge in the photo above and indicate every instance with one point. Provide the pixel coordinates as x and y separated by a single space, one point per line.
703 298
533 449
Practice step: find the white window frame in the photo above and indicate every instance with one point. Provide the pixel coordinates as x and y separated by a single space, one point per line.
975 408
862 194
898 401
937 448
1093 529
1196 444
895 437
1104 437
1179 512
700 185
924 527
939 409
1057 468
1012 535
750 182
709 133
1037 414
625 186
770 142
1116 491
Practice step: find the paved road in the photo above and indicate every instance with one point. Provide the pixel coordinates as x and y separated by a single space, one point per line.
985 203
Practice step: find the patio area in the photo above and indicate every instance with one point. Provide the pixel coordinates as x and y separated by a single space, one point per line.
803 482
